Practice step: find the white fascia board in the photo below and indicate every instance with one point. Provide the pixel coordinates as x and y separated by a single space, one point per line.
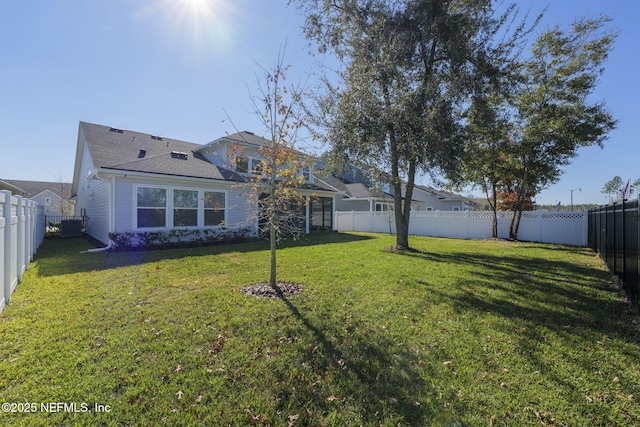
163 177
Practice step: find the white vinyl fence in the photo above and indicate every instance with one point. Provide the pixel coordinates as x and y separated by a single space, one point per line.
568 228
22 230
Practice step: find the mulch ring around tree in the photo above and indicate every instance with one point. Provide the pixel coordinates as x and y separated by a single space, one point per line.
282 289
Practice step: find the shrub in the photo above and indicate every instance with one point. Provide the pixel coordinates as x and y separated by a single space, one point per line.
178 237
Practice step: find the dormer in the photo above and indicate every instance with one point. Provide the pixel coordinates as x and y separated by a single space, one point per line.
241 152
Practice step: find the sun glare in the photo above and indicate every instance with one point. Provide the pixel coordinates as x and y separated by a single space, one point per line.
194 26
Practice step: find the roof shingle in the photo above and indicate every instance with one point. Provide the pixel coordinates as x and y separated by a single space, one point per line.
139 152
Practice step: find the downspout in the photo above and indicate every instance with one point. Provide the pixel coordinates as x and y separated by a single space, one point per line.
112 188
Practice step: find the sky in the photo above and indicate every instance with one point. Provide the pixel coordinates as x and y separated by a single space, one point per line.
185 69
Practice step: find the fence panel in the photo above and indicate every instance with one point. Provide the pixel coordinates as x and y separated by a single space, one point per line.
21 232
630 251
614 233
3 222
568 228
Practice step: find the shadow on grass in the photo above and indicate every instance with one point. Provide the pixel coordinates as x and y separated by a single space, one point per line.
566 298
383 380
62 256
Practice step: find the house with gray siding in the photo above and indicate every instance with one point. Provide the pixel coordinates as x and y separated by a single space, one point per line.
362 194
53 196
431 199
128 181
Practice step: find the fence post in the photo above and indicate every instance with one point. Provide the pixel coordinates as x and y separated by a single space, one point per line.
7 259
21 237
27 233
613 239
624 248
466 216
539 218
637 301
3 201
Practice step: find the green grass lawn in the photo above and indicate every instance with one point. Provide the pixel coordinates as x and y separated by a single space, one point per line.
467 333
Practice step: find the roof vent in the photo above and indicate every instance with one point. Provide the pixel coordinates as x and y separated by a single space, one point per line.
142 154
250 133
179 155
116 130
156 137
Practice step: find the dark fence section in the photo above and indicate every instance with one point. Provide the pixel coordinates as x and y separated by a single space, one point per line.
614 233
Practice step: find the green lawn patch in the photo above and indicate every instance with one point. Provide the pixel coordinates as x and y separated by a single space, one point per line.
463 333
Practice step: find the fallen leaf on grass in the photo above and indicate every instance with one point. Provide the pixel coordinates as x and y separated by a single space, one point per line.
292 419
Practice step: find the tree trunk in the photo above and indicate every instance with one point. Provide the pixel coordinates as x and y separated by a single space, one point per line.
273 212
405 214
494 208
402 218
402 226
517 214
515 224
273 241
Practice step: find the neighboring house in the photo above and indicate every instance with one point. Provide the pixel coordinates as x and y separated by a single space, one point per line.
361 194
4 185
356 196
436 200
54 196
127 181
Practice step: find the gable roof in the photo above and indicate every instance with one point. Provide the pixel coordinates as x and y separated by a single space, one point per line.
444 195
355 190
247 137
126 150
4 185
33 188
244 138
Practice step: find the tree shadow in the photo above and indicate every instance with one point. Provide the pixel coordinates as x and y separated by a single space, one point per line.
62 256
386 382
541 294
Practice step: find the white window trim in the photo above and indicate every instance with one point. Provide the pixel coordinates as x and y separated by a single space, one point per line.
382 204
170 207
134 218
201 207
197 209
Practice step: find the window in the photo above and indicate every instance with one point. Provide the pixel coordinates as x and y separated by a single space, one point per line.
256 167
214 207
185 208
47 201
456 208
157 207
151 207
383 207
242 165
429 208
306 173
